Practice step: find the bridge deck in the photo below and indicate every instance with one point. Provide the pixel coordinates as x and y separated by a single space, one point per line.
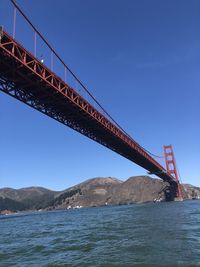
28 80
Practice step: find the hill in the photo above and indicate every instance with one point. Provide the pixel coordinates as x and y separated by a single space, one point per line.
28 198
90 193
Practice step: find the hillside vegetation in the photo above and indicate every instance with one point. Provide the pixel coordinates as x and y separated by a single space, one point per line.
91 193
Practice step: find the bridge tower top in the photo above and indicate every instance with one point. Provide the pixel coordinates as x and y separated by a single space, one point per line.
171 167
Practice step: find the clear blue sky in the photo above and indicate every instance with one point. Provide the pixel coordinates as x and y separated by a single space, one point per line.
141 59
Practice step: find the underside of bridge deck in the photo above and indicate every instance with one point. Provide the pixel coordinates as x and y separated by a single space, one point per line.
25 78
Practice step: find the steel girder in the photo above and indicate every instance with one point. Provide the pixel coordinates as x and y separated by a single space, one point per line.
24 77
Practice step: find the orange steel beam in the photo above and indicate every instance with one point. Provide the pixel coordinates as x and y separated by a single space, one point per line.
24 77
171 167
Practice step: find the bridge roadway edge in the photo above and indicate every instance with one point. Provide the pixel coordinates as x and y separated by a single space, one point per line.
23 77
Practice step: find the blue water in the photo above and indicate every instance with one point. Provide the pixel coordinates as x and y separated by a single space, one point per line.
161 234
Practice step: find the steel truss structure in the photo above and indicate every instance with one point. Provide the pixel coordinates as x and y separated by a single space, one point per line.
171 167
25 78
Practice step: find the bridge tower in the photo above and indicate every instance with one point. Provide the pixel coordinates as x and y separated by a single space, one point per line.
172 168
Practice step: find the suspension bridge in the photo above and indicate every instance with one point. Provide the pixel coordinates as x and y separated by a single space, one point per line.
27 78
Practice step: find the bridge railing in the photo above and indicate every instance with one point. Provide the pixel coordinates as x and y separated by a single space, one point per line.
22 29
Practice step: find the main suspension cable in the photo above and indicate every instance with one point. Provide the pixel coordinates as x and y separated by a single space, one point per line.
77 79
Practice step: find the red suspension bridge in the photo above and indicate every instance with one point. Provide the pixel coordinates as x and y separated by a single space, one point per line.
26 78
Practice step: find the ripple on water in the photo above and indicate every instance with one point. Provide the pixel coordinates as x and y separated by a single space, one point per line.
136 235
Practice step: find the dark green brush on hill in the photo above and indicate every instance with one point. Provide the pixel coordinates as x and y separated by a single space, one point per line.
91 193
25 198
12 205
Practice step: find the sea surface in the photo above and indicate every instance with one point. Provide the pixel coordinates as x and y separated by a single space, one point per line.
160 234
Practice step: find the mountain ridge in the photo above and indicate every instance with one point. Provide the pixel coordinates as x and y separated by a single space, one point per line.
98 191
